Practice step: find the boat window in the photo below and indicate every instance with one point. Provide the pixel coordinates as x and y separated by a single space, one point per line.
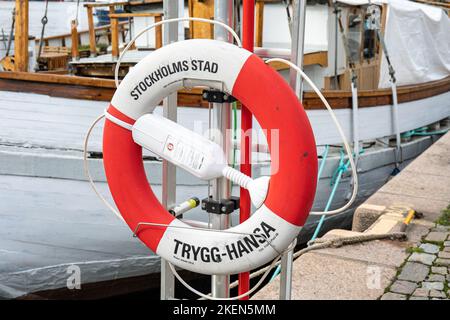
369 44
372 24
354 36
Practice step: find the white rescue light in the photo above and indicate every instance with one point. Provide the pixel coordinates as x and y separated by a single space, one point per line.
194 153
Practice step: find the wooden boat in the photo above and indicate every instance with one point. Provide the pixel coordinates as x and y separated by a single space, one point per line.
53 219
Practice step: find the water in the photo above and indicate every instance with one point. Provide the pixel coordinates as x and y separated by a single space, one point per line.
59 16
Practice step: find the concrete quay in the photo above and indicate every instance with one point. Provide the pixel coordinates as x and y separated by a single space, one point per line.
415 269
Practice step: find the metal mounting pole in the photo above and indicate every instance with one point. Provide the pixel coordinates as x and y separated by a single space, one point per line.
287 261
298 45
395 118
355 119
396 124
223 11
297 51
169 182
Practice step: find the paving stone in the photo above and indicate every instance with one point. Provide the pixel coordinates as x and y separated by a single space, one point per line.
437 236
424 258
419 298
439 270
442 262
440 227
433 285
446 243
414 272
337 283
421 292
436 278
393 296
446 249
404 287
444 255
437 294
429 248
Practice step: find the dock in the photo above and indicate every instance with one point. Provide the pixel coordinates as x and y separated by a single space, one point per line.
415 269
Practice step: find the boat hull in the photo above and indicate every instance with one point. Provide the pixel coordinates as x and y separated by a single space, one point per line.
52 220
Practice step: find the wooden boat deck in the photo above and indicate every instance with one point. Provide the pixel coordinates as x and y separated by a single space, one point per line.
98 89
131 57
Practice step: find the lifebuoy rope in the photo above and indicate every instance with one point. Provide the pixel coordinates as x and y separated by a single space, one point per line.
129 127
154 25
341 133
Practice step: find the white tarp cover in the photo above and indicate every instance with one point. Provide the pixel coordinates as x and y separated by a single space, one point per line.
417 37
418 41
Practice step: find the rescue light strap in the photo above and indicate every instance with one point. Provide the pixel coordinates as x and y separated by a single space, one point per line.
117 121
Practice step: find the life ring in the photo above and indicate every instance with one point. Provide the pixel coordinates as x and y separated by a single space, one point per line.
226 67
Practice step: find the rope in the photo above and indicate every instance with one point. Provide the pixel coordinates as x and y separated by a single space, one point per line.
341 134
88 173
154 25
288 15
322 165
375 25
118 215
78 10
334 181
11 32
339 242
423 132
345 41
334 243
44 21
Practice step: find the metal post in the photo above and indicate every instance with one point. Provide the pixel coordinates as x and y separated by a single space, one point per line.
336 47
298 45
396 123
170 9
297 50
395 119
223 11
286 275
355 112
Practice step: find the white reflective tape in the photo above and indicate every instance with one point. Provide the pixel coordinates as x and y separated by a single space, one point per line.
117 121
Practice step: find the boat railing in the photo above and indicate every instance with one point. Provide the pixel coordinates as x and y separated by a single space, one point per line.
115 31
61 40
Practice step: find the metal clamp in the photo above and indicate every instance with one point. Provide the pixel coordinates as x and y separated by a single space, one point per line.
216 96
224 206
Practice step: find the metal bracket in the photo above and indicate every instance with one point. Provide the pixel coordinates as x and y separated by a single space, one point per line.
216 96
224 206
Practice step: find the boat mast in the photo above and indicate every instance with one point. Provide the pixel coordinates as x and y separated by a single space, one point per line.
21 36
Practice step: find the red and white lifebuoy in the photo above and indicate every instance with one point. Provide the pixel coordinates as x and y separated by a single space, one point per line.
277 222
